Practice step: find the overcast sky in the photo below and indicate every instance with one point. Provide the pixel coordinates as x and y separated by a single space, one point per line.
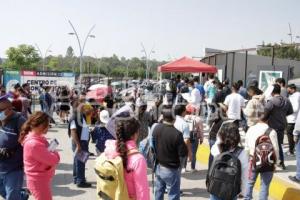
175 27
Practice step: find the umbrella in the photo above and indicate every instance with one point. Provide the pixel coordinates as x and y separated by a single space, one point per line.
97 86
99 94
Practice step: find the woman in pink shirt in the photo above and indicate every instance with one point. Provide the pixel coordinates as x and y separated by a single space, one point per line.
39 162
135 164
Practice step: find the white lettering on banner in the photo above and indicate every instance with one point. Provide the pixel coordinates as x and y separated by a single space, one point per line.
36 81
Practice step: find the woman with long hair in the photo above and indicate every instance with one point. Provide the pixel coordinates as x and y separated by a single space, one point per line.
134 163
39 161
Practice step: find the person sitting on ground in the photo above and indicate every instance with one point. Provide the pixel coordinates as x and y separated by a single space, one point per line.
228 141
253 133
39 161
127 130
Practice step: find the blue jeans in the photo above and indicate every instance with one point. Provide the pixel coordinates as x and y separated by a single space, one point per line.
266 178
11 184
195 144
213 197
78 166
167 177
298 160
211 158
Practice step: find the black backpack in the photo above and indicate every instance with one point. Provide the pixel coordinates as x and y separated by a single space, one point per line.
224 178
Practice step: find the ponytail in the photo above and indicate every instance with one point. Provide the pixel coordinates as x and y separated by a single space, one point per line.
121 145
125 129
24 131
35 120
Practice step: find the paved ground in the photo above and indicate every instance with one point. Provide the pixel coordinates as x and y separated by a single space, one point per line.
193 184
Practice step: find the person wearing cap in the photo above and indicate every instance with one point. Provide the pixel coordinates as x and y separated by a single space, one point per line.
294 98
196 131
100 134
145 119
11 152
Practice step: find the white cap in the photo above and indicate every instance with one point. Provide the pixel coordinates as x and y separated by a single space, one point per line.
104 116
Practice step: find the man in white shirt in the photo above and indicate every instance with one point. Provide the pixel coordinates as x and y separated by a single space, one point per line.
234 103
294 98
195 97
252 135
297 142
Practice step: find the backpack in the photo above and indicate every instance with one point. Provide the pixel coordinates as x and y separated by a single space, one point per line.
264 157
193 134
146 148
111 183
224 178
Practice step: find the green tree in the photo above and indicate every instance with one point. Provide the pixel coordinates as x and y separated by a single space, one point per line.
284 51
70 52
22 57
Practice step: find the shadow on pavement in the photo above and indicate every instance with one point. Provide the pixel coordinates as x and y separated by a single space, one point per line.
65 167
195 192
62 179
66 192
199 175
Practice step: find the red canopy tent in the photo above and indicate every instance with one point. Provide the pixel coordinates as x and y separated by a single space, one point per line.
187 65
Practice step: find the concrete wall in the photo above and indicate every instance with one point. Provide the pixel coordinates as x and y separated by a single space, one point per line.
237 69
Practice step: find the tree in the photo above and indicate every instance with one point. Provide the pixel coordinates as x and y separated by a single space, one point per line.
70 52
282 50
23 56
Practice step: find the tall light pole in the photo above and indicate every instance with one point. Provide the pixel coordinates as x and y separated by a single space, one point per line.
147 56
290 33
43 56
81 48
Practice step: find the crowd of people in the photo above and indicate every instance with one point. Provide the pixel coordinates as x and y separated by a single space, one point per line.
163 136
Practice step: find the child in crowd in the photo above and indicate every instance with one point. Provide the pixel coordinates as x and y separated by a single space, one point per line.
134 164
100 134
39 162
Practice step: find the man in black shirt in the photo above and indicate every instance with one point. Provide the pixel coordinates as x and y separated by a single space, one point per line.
169 147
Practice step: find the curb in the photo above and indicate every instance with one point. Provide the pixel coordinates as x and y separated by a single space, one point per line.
279 189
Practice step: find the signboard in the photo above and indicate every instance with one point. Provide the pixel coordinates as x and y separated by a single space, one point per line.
267 78
46 78
10 79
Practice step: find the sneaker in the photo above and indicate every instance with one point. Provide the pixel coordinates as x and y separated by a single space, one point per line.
290 154
294 179
183 170
84 185
282 166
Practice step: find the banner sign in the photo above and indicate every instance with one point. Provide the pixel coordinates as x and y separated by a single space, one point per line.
10 79
47 78
267 78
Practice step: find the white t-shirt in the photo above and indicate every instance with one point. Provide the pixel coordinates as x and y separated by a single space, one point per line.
182 126
195 97
235 102
85 135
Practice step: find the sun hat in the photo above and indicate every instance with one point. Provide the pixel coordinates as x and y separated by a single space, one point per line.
104 116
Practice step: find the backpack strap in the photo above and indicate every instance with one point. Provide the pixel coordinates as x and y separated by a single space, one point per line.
268 131
237 151
132 152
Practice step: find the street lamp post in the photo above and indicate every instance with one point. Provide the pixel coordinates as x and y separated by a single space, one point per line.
147 56
81 48
43 56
